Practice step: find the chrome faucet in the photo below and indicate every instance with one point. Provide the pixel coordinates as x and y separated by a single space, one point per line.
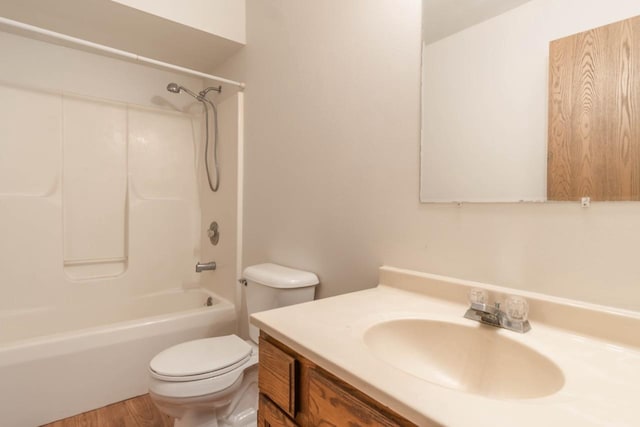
514 318
204 266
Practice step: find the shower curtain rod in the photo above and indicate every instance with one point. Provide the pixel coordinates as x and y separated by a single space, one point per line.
115 52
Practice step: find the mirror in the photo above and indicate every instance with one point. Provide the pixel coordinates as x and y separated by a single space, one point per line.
485 77
483 104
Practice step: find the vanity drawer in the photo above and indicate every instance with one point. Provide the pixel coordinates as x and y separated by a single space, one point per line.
277 376
333 404
269 415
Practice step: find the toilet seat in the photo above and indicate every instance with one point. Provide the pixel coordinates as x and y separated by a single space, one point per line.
200 359
224 380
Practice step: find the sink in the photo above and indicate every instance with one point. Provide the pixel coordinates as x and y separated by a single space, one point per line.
476 359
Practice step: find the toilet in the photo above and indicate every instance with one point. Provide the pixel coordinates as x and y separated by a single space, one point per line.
213 382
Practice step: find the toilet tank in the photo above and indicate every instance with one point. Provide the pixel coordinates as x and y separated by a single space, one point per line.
272 286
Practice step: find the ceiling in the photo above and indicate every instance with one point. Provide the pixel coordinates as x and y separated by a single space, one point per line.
441 18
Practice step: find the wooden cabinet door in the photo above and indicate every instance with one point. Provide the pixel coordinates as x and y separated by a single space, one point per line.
294 391
331 405
277 376
269 415
594 114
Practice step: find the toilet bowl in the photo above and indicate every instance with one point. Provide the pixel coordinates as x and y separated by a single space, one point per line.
208 382
213 382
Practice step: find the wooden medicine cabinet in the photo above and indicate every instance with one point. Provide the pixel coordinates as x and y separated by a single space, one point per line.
594 114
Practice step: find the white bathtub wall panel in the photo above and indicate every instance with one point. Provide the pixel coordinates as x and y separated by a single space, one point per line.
165 236
30 141
222 205
165 209
31 273
161 251
22 323
162 155
94 187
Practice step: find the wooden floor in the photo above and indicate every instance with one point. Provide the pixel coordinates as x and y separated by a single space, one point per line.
136 412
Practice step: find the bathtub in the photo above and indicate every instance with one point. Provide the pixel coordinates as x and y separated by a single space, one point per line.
58 362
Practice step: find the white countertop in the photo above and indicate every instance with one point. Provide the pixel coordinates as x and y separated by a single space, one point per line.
602 377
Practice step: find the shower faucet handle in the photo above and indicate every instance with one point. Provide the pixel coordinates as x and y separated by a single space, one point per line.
213 233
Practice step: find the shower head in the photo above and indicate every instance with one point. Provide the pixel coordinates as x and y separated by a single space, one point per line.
173 87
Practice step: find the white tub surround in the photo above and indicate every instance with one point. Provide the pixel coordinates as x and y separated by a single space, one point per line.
100 353
104 201
595 348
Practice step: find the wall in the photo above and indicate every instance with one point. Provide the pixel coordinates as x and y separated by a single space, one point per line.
332 172
97 161
225 18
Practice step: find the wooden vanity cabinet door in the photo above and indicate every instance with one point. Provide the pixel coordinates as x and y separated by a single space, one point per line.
277 376
294 391
269 415
332 405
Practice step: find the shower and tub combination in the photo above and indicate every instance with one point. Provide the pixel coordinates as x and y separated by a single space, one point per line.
101 230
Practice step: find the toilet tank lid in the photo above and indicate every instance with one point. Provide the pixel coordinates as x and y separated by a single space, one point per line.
277 276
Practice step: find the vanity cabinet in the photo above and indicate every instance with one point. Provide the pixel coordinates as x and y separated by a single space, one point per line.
294 391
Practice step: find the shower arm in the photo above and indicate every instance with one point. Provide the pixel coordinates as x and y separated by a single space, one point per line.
204 92
196 96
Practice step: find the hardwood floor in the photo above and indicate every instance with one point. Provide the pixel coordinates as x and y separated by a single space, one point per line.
136 412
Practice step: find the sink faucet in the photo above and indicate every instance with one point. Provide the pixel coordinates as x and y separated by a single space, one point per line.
514 318
200 266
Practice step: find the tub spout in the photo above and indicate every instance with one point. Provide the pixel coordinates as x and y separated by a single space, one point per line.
204 266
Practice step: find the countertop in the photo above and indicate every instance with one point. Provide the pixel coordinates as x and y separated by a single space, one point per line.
601 375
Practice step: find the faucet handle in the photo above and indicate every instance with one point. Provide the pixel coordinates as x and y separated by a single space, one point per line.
516 308
478 296
479 300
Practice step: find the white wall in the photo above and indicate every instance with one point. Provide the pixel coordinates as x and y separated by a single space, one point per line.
332 170
97 160
225 18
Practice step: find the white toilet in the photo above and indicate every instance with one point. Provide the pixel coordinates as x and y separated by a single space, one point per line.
213 382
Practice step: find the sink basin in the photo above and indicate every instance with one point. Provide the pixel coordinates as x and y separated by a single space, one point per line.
477 359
